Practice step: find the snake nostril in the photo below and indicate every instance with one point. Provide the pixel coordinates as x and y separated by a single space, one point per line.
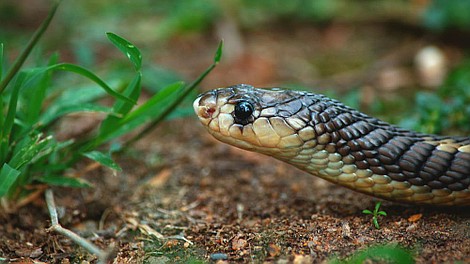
208 112
205 111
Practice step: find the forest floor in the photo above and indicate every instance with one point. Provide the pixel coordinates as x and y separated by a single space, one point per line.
172 203
184 197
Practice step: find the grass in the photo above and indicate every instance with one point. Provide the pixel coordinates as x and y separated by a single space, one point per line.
33 101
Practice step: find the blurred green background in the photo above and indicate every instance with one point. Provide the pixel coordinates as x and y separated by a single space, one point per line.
405 61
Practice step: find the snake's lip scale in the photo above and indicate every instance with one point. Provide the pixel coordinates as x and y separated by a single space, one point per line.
205 112
339 144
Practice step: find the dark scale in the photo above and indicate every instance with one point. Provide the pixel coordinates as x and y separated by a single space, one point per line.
459 170
447 179
289 108
390 152
304 114
407 165
330 127
358 129
320 129
392 168
380 170
345 134
436 184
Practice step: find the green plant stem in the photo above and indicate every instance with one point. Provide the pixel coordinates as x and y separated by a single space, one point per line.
25 53
170 108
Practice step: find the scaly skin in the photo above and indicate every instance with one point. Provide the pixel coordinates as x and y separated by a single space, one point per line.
339 144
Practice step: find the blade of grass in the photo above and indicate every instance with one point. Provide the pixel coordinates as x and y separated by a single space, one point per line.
51 116
151 106
32 42
75 96
2 124
138 117
1 61
65 181
37 94
88 74
102 159
10 117
30 151
8 176
122 108
183 94
131 51
133 90
2 118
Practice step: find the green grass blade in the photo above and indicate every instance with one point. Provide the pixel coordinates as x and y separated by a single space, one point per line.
75 96
33 149
218 52
36 96
122 108
182 95
131 51
6 136
58 112
2 123
1 61
151 107
25 53
102 159
88 74
146 112
65 181
10 117
8 176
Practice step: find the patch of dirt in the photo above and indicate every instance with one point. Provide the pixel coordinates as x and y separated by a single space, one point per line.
209 199
184 196
206 198
251 206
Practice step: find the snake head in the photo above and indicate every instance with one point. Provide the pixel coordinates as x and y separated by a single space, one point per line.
251 118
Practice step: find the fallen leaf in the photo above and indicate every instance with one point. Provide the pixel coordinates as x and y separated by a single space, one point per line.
415 217
274 250
238 243
160 179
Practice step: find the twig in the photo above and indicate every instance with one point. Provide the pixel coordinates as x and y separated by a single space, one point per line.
103 256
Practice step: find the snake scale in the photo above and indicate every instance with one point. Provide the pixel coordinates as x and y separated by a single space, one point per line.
324 137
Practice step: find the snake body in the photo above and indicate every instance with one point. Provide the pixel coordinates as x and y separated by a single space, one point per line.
324 137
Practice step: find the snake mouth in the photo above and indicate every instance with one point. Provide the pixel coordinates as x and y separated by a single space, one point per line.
205 108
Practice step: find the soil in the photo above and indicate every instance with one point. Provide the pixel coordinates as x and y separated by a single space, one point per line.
209 200
184 197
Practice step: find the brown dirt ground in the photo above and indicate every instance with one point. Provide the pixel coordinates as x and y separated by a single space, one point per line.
204 197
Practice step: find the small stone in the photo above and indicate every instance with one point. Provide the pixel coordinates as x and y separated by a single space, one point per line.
218 256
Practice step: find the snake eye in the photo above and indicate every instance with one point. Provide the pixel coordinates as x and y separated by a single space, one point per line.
243 110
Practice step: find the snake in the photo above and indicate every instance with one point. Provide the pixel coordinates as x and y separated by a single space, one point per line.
328 139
